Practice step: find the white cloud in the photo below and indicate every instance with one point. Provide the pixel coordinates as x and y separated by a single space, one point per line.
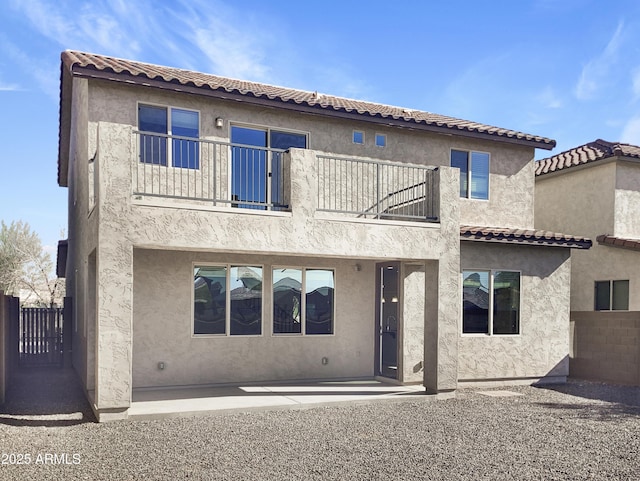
631 131
91 26
635 83
549 98
229 53
595 72
45 18
46 73
222 40
9 87
204 35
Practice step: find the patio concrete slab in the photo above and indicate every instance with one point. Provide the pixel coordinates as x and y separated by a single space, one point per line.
499 393
188 401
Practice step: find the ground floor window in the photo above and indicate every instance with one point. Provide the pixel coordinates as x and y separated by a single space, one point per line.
612 295
227 300
303 301
490 302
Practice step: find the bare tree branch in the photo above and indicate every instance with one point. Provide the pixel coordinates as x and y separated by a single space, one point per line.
26 270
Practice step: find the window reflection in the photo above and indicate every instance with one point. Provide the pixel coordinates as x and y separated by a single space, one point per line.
209 302
319 301
245 288
287 301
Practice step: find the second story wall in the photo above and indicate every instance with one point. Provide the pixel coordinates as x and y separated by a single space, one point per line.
510 200
627 200
580 201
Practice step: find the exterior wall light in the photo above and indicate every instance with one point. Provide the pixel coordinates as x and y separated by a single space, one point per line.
219 122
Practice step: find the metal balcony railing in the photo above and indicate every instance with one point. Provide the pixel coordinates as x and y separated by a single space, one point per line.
250 177
217 173
378 190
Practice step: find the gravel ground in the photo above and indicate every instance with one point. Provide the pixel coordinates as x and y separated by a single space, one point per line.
580 430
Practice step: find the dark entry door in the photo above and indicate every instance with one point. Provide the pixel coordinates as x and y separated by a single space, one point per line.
388 314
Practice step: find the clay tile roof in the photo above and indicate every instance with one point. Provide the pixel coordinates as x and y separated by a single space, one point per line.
522 237
92 65
584 154
613 241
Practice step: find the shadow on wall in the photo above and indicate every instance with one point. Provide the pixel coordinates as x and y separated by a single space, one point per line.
48 397
605 346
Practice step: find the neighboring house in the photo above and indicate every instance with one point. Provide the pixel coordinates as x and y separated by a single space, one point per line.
225 231
594 190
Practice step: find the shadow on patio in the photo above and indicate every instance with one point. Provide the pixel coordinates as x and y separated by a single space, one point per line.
179 401
45 397
614 400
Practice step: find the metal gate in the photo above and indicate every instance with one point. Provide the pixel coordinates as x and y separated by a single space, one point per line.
41 340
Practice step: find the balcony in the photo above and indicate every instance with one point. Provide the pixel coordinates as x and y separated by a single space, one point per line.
228 175
370 189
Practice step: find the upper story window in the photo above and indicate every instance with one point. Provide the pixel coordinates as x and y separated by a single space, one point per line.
381 140
474 173
490 302
358 137
180 124
612 295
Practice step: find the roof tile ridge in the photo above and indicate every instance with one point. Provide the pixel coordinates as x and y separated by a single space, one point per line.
603 145
258 89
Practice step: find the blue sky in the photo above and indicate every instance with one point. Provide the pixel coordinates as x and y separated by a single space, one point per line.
565 69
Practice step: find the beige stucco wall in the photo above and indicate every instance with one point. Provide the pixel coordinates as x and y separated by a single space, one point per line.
603 263
591 201
162 326
542 347
411 349
107 235
511 180
605 346
125 223
627 200
82 233
580 201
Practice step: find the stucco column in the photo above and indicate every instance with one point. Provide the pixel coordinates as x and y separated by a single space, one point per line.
114 272
413 321
302 177
442 310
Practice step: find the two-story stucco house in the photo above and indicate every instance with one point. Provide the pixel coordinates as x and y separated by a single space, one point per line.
594 190
225 231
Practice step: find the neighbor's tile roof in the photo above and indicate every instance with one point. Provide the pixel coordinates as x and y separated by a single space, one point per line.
619 242
503 235
91 65
591 152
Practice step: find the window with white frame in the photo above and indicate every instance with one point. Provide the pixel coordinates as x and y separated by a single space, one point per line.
157 125
474 173
358 137
490 302
308 314
612 295
227 300
381 140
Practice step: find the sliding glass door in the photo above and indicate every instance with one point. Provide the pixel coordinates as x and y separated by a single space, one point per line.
256 165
